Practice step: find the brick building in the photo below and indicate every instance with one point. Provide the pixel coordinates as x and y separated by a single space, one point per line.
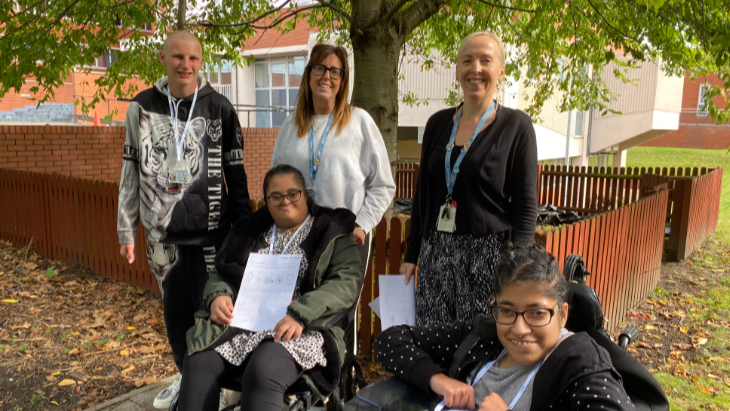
696 128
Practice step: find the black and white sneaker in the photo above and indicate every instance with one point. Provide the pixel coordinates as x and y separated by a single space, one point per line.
164 398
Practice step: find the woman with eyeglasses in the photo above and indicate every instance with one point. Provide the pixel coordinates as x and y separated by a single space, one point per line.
522 358
337 147
328 282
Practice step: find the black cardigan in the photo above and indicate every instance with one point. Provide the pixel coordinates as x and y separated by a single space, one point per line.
500 170
579 372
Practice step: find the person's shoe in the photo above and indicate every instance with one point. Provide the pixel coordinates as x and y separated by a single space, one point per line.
164 398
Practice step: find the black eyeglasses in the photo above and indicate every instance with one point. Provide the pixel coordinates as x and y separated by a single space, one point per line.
278 199
335 73
536 317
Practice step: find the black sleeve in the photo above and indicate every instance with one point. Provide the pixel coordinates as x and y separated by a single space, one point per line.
523 183
415 354
420 197
233 169
600 391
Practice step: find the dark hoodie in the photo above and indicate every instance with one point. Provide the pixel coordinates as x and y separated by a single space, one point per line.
197 213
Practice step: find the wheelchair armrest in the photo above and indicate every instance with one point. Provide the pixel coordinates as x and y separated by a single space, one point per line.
325 323
627 336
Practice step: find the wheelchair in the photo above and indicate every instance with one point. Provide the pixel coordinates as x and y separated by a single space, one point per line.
586 315
299 397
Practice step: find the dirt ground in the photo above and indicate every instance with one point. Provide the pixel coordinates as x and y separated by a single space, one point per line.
70 339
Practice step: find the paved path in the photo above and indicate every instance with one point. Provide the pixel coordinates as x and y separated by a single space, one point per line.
137 400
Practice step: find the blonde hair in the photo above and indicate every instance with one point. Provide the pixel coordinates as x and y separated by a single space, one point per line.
468 38
304 113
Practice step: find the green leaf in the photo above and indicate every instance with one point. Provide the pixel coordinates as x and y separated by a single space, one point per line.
49 271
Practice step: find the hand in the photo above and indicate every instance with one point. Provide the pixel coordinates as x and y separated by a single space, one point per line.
493 402
407 269
359 235
221 310
127 252
288 328
455 393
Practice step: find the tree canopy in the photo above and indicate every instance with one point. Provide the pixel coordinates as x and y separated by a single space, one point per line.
44 39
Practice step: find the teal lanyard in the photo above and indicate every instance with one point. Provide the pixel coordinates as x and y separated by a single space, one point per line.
314 161
273 236
451 174
486 368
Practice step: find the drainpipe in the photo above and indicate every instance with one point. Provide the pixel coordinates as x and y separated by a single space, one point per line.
567 139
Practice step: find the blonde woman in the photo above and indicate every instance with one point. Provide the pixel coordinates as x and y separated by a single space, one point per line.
476 188
337 147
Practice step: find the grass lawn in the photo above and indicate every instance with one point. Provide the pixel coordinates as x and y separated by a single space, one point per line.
702 380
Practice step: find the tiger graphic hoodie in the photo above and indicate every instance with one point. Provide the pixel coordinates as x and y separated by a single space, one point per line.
201 211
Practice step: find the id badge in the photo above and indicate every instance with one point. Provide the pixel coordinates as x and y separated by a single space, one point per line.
447 218
180 174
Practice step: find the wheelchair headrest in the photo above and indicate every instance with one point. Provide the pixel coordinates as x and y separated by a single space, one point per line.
585 309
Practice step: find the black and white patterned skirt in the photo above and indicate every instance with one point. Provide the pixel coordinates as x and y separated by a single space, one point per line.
455 276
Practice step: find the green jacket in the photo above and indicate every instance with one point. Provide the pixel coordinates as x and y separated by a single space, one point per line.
331 284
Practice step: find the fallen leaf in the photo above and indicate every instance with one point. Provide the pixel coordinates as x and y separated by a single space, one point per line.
683 330
51 378
66 382
56 373
704 389
130 328
702 341
128 369
9 301
124 353
649 327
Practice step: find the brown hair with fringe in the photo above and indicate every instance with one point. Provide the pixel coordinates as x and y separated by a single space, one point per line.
305 106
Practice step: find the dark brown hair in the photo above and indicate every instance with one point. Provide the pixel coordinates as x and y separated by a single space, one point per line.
520 262
305 106
298 177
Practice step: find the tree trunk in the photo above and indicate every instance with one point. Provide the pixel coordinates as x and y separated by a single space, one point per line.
375 89
182 8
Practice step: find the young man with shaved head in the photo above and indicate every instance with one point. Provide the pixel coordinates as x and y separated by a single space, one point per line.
183 178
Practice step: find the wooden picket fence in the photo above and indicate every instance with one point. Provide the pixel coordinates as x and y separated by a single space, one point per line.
72 220
405 180
622 248
692 203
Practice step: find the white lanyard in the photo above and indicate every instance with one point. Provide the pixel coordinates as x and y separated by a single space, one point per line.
273 236
180 141
484 370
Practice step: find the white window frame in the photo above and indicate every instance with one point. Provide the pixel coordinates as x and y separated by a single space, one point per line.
700 100
269 62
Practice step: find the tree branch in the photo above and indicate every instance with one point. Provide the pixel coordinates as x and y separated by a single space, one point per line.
418 13
250 23
610 25
336 9
507 7
395 9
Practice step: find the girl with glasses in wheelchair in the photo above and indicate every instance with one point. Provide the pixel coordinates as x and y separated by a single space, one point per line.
520 358
329 280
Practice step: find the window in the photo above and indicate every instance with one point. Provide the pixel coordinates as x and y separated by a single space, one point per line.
578 123
277 82
701 109
106 59
219 72
144 27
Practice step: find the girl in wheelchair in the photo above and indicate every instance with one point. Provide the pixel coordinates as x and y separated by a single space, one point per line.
522 358
329 280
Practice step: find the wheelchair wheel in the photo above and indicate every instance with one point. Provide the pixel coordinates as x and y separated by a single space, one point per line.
575 269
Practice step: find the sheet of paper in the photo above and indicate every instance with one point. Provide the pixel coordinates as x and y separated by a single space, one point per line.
397 301
375 305
266 291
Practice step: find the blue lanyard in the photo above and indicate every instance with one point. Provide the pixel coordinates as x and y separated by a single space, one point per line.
451 175
273 236
486 368
180 141
314 161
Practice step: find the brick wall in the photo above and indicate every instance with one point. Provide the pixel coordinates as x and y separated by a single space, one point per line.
90 152
258 147
264 39
692 136
96 152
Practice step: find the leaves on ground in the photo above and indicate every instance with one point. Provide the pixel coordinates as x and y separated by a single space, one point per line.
70 339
